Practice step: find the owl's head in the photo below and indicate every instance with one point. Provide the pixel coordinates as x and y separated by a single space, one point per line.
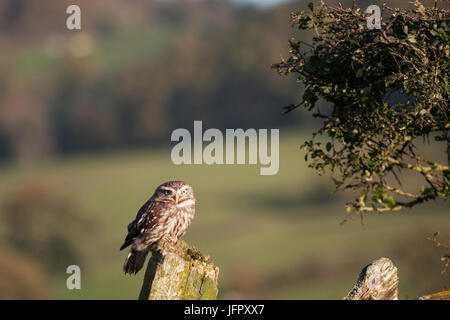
174 191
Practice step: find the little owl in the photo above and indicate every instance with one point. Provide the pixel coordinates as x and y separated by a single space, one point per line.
166 215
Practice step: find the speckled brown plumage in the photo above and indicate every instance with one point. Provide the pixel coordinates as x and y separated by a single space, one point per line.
166 215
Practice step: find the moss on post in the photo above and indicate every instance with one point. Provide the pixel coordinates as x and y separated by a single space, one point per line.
377 281
179 272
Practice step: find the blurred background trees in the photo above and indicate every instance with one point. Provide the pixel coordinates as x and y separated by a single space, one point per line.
44 231
21 277
46 224
135 72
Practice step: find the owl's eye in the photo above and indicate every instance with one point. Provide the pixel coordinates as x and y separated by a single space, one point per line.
183 191
167 192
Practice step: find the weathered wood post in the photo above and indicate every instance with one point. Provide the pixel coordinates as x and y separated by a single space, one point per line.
377 281
443 295
179 272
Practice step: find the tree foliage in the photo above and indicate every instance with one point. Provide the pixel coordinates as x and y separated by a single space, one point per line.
371 138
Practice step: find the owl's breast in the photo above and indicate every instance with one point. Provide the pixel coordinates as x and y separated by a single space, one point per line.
180 222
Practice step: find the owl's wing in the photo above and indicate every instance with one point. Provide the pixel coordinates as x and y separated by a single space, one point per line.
145 219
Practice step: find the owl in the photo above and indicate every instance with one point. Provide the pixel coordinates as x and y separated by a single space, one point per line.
166 215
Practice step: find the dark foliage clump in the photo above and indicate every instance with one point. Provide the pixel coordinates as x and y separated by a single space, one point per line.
372 140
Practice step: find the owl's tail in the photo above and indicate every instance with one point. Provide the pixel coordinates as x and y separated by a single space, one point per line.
134 261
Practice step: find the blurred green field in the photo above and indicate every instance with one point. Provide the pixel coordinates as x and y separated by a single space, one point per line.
273 237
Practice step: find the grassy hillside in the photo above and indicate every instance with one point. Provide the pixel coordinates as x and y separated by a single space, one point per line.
274 237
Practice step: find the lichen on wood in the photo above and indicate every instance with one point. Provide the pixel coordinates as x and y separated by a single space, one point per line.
179 272
377 281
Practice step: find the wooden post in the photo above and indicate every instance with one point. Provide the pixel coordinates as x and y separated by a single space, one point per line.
377 281
179 272
443 295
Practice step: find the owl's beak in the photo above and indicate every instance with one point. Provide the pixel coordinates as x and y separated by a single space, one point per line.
176 197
